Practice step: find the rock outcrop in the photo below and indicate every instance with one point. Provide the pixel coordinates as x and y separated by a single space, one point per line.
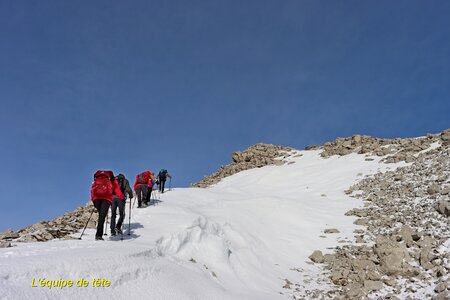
256 156
393 150
60 227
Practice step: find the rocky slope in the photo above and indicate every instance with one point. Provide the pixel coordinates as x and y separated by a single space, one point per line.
60 227
405 246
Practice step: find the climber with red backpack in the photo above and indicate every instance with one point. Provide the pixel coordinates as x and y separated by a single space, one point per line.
103 190
141 187
151 184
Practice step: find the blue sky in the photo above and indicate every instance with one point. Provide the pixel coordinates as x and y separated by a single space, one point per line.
143 85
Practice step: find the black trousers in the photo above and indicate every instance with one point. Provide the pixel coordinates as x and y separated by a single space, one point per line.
121 205
162 183
102 207
141 192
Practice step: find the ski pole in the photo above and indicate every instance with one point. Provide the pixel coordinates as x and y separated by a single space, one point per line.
129 220
106 223
170 183
86 224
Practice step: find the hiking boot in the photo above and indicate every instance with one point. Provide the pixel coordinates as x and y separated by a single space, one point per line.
119 231
113 233
99 238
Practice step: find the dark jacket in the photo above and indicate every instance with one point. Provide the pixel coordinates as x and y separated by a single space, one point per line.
162 176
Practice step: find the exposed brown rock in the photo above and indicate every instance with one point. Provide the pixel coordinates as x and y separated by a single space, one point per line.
256 156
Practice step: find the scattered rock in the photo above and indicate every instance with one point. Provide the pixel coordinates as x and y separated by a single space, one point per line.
443 207
371 285
405 218
313 147
9 235
441 287
5 244
287 284
317 256
433 189
445 295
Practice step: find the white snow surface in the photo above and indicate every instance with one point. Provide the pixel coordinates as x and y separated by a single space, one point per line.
239 239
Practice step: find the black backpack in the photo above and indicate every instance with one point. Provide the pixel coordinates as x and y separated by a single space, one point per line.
162 174
121 180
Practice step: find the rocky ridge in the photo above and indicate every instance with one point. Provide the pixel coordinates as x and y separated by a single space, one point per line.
256 156
392 150
61 227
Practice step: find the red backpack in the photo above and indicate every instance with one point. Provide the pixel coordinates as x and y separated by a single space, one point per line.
143 178
102 187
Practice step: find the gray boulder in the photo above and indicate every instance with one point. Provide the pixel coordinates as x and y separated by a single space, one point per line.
317 256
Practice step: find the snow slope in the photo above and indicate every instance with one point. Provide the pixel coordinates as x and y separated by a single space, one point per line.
240 239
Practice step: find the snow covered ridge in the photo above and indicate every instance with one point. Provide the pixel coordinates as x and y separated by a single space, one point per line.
245 237
256 156
340 227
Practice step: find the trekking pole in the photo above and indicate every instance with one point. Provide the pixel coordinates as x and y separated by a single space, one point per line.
170 183
121 232
155 198
86 225
106 223
129 220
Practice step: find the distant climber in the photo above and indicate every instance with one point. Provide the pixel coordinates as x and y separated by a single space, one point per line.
150 188
104 188
141 187
162 177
